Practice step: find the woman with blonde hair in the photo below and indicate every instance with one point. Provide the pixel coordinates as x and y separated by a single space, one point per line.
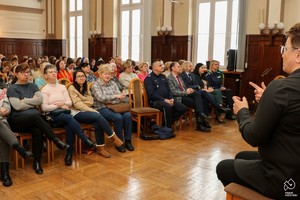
144 70
105 91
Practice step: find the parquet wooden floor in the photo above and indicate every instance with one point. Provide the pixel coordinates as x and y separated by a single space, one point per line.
179 168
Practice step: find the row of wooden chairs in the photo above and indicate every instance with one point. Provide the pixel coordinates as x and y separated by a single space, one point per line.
59 132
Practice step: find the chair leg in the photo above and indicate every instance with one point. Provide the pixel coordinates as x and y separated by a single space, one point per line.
157 119
23 162
138 126
16 159
49 151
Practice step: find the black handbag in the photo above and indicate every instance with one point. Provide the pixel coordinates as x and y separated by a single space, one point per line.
59 111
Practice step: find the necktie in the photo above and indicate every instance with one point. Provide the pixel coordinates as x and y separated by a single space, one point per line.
190 76
180 84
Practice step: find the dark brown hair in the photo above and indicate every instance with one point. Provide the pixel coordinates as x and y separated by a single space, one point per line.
20 68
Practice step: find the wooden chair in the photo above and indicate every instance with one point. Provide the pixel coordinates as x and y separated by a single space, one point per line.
139 104
279 77
235 191
27 136
64 81
188 119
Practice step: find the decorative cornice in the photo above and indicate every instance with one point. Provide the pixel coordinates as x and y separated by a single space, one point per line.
21 9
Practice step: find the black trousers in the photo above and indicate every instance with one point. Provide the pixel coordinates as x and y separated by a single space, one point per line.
226 172
35 125
170 113
194 100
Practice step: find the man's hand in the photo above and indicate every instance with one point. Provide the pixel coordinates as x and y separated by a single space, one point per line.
170 101
4 111
189 90
258 90
239 104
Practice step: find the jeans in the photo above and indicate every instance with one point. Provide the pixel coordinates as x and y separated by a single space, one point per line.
72 127
121 121
99 122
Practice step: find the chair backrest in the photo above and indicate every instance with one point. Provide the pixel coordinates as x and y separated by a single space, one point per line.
279 77
64 81
136 91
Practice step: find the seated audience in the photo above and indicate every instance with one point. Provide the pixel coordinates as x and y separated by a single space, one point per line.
215 80
62 72
85 67
41 81
187 96
197 78
143 70
56 102
8 139
114 76
104 91
273 170
127 75
160 95
82 104
25 117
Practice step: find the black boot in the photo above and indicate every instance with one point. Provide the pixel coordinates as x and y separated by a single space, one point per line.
22 151
36 165
89 143
5 178
204 120
68 159
61 145
201 124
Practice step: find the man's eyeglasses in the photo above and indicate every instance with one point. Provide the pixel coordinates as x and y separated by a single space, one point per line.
283 49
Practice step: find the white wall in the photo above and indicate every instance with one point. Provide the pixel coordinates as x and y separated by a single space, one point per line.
22 19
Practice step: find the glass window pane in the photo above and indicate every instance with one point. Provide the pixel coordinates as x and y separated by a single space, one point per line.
136 1
220 31
125 47
125 35
203 32
219 47
72 47
234 25
202 48
79 48
79 26
204 18
125 1
220 17
79 5
72 27
72 5
135 39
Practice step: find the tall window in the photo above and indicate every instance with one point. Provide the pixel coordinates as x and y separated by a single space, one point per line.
217 29
75 28
131 29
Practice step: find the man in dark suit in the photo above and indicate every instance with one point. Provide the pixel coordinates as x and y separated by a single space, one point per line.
160 95
187 96
190 81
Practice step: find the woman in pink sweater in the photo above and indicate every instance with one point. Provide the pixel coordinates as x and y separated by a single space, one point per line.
57 102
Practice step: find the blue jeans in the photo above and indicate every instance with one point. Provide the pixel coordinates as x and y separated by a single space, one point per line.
99 122
72 127
121 121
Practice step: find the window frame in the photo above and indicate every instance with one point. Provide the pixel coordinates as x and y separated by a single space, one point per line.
130 7
212 33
